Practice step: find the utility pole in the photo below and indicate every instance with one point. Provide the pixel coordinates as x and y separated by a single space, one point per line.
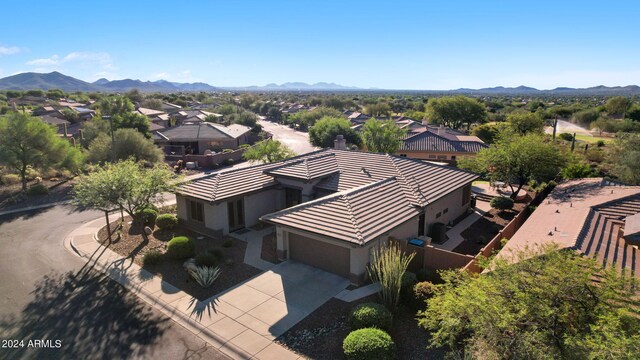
113 138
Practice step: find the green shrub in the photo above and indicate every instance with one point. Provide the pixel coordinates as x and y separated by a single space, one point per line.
152 257
181 247
10 179
600 143
566 136
226 151
369 315
422 291
227 243
206 259
368 344
217 253
147 216
501 203
166 221
37 189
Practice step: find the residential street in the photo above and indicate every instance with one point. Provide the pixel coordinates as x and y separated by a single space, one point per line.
296 140
47 294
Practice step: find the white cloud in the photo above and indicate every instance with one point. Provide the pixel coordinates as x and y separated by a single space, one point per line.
100 62
9 50
180 76
54 60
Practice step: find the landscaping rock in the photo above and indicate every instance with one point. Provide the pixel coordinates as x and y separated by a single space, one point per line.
190 265
148 230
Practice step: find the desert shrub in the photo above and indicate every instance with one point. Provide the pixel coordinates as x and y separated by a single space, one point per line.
217 253
600 143
227 243
32 174
206 259
226 151
166 221
152 257
566 136
369 315
422 291
501 203
37 189
147 216
10 179
205 275
180 247
244 146
388 265
406 286
367 344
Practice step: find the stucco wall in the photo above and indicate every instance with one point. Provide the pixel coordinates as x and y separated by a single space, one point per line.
215 217
452 201
262 203
181 207
408 229
307 188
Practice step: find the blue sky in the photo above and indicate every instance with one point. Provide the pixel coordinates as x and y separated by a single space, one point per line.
383 44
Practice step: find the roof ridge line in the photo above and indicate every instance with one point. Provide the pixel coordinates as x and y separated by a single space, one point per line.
216 184
354 221
420 196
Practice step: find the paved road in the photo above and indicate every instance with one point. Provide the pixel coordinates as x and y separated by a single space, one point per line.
47 294
568 127
296 140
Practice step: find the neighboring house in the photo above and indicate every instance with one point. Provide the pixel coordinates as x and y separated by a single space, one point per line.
330 207
193 116
439 144
595 217
47 110
200 137
358 118
171 108
157 117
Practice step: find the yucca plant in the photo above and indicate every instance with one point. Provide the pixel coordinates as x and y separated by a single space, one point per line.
387 267
205 275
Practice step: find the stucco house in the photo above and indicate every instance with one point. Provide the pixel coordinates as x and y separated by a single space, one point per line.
200 137
330 207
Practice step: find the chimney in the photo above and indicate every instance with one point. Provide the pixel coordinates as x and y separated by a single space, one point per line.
340 143
441 130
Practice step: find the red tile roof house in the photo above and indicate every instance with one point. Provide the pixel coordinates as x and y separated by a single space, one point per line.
330 207
595 217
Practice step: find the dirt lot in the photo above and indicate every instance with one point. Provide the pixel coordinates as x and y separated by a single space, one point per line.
320 335
133 245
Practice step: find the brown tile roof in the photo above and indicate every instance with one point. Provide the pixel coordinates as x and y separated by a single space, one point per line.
430 141
585 215
358 215
308 168
150 112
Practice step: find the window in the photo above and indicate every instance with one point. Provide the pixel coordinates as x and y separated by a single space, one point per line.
466 194
453 157
292 197
196 211
438 215
445 211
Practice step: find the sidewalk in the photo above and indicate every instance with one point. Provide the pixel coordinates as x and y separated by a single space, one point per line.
213 320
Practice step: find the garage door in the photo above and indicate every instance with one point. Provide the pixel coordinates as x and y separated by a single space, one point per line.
319 254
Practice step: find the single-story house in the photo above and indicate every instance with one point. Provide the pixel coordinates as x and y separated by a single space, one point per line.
330 207
596 217
440 144
200 137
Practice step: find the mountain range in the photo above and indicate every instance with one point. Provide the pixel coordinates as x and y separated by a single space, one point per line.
56 80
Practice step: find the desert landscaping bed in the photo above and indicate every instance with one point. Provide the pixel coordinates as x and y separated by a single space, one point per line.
12 197
320 335
486 228
132 245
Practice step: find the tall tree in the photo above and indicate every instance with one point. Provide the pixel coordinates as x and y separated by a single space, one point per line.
128 144
381 136
617 106
456 111
114 105
545 306
132 120
325 131
623 158
517 160
26 141
268 151
128 185
525 122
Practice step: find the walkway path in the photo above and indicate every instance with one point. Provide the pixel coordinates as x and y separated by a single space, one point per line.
454 234
215 320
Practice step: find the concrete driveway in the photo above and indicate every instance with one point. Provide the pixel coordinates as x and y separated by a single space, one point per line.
274 301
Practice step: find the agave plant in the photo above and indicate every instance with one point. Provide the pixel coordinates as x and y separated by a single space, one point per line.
205 275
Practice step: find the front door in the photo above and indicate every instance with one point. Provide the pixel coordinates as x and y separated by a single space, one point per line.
236 214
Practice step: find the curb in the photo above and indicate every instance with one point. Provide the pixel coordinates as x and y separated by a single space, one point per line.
35 207
178 317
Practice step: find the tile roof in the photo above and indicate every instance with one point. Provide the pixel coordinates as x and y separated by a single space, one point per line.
358 215
308 168
585 215
150 112
52 120
203 131
430 141
375 186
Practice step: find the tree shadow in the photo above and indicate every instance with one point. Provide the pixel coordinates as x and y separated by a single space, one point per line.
91 315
